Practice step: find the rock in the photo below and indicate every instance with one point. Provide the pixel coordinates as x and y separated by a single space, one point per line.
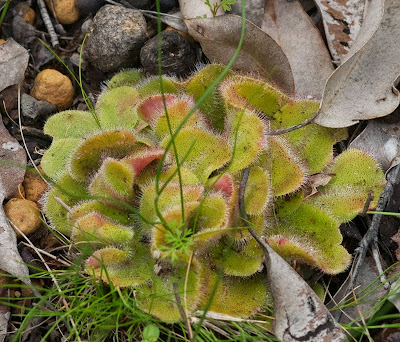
24 214
26 12
141 4
254 10
66 11
32 109
178 56
115 38
52 86
167 5
85 26
34 185
86 7
23 32
2 41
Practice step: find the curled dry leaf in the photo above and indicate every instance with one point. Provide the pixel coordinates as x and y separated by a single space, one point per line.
13 63
316 180
290 26
299 313
219 38
12 170
362 87
381 140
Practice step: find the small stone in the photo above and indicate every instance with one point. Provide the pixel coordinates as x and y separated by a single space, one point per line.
2 41
34 185
24 214
66 11
52 86
26 12
178 56
141 4
86 7
168 5
86 26
115 38
32 109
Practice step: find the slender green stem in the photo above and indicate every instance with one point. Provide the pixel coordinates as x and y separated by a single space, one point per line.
4 11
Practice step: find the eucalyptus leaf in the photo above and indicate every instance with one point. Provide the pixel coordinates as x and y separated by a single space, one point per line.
362 87
299 313
12 171
220 36
286 22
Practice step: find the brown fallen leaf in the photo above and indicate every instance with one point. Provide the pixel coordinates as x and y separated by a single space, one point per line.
299 313
219 38
316 180
12 170
362 87
290 26
13 63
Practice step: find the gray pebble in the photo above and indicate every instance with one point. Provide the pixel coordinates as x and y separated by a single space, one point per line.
33 110
140 4
178 56
115 38
86 7
86 26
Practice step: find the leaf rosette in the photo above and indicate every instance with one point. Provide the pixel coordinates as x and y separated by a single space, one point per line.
154 189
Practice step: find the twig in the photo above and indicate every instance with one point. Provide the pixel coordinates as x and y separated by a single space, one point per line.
370 198
374 247
372 233
47 22
377 259
181 310
292 128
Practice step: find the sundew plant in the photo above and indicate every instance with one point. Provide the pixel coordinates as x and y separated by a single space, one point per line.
154 189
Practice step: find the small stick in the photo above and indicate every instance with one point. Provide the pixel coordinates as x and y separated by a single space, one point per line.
47 22
374 247
370 198
372 233
377 259
181 310
292 128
